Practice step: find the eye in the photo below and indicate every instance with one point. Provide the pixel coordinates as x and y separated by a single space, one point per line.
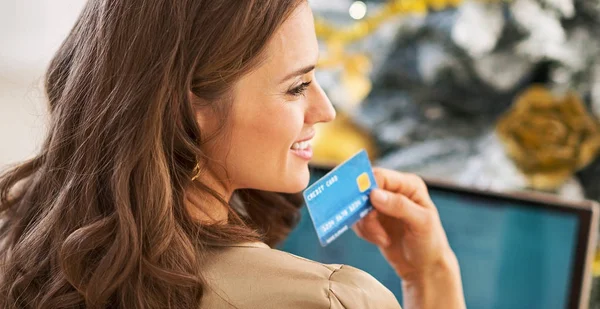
297 91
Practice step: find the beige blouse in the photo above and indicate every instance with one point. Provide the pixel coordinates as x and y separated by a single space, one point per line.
255 276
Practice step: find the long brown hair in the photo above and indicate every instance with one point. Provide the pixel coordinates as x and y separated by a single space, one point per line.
97 219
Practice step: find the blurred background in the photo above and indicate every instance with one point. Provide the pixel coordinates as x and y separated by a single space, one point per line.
30 32
495 95
500 95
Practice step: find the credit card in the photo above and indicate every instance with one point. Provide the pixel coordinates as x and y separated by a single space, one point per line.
341 198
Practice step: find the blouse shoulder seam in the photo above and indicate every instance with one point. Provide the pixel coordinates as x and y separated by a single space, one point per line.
329 291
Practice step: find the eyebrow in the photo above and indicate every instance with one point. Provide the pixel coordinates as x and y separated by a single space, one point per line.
301 71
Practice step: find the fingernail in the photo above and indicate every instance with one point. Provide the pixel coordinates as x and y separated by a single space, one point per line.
380 196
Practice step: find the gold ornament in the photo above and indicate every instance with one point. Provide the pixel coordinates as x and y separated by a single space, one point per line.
338 140
549 138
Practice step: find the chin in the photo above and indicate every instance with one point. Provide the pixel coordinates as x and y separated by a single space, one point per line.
296 182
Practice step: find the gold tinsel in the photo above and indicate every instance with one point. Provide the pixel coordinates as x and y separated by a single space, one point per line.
367 26
548 137
340 139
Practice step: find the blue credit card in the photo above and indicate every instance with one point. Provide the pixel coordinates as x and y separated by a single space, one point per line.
341 198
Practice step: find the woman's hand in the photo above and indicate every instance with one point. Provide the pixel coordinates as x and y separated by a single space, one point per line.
406 226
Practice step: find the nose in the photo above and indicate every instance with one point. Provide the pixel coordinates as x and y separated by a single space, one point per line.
319 107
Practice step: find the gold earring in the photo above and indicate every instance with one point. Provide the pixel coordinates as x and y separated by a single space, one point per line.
196 171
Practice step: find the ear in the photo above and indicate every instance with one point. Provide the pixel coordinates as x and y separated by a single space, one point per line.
198 106
204 113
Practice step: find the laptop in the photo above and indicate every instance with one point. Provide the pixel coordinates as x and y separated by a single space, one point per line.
516 250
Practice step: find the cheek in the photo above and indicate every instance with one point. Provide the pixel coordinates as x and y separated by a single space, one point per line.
262 140
276 129
259 155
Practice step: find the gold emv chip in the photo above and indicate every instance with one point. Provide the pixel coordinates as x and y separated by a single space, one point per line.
363 182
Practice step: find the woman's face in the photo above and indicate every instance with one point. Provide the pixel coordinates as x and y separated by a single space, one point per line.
274 112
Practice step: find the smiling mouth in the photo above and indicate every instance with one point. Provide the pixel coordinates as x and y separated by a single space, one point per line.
304 143
301 145
303 149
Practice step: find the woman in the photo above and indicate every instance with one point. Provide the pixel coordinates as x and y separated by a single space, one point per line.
173 124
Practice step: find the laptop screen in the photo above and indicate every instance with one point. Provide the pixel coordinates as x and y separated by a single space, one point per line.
513 253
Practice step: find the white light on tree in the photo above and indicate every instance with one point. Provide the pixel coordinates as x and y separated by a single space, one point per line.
358 10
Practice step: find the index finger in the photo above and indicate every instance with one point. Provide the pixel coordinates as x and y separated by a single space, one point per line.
409 185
